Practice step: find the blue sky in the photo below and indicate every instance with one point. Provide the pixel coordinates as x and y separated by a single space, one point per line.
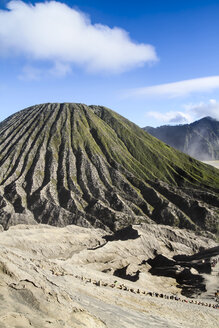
155 62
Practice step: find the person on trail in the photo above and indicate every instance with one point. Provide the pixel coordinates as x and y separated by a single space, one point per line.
216 294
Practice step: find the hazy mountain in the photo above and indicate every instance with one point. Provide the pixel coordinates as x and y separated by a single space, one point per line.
199 139
71 163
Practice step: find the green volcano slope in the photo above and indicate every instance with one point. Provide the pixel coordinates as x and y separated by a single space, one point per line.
75 164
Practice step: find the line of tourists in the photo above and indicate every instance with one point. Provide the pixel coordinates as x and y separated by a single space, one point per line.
115 284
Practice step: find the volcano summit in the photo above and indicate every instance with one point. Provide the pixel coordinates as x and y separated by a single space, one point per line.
64 164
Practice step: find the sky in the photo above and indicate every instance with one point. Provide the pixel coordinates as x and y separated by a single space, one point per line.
155 62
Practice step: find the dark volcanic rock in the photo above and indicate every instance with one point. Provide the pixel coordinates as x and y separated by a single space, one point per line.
161 261
66 164
180 268
123 234
121 273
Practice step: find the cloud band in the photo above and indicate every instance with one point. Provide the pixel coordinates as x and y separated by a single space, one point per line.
53 31
179 89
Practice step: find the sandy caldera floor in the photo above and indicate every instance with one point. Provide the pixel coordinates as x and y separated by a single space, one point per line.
62 277
213 163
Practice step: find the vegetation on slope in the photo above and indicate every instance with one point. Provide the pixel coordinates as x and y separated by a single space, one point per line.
72 163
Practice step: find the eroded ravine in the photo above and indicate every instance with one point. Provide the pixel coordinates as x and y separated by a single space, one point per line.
70 163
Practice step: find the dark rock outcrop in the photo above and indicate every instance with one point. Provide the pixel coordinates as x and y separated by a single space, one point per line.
186 269
126 233
121 273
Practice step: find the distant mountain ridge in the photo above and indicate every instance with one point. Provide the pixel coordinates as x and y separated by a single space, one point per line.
70 163
199 139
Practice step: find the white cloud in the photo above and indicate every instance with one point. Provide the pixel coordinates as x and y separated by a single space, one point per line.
171 117
202 109
191 113
179 89
30 73
60 69
34 73
53 31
